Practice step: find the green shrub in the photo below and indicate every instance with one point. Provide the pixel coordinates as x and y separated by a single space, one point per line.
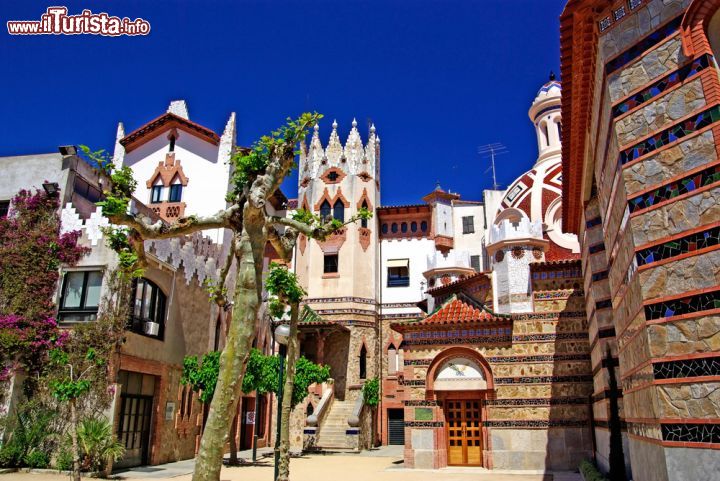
590 472
98 444
37 459
11 455
64 461
371 392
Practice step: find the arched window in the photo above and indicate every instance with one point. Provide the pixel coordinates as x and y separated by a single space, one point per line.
544 130
403 227
148 315
713 33
218 330
393 360
363 362
413 226
364 222
325 210
339 211
384 228
394 228
423 226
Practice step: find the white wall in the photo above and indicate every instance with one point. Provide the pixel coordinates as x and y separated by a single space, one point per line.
470 243
30 172
416 250
207 176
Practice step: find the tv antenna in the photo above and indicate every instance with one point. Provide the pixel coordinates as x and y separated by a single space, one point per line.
491 151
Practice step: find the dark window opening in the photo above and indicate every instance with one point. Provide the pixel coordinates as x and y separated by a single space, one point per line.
333 176
475 263
80 296
363 362
394 228
330 264
364 222
413 226
398 275
4 208
424 226
172 143
384 228
325 210
148 310
403 227
218 331
87 191
175 192
156 194
339 211
468 224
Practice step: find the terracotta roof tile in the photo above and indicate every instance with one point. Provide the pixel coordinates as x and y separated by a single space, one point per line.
456 310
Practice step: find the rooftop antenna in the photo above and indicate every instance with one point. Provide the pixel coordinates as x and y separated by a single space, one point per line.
491 151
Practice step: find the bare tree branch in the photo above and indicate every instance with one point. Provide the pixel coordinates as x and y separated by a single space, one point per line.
221 300
283 243
183 226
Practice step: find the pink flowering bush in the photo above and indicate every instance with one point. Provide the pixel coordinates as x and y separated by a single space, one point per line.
31 252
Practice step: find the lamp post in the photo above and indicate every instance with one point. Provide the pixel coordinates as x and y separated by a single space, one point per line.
281 333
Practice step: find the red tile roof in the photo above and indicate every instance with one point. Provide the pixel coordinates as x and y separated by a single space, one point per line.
168 120
458 309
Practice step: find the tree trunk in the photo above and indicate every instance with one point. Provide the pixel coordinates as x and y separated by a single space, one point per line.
233 443
74 438
292 355
234 357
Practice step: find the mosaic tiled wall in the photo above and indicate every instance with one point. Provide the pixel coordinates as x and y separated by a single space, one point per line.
650 236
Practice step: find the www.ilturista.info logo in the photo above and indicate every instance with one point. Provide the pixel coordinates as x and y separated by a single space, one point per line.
56 21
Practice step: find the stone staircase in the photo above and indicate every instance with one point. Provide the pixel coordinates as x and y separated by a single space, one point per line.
331 434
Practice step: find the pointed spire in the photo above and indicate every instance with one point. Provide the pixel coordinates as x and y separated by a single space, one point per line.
119 153
334 149
315 152
354 147
179 108
227 141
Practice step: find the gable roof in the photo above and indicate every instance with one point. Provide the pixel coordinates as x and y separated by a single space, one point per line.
150 130
458 309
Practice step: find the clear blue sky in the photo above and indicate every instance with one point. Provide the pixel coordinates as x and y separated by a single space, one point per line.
438 78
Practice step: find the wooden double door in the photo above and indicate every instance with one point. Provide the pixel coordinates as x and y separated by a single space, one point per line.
464 432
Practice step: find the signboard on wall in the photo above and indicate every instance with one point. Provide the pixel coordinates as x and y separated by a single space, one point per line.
250 417
169 410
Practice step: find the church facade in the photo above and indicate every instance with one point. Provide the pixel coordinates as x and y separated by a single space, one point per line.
471 313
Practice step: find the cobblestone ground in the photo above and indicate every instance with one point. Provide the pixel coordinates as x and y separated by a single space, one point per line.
314 468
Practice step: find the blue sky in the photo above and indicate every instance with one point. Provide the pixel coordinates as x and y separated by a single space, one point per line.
438 78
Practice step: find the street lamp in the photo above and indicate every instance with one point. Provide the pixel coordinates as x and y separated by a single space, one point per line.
281 334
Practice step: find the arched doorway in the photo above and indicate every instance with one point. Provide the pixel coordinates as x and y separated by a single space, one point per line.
459 379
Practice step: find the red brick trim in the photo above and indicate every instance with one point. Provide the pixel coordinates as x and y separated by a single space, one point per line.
694 25
678 258
663 94
684 233
453 352
326 176
671 144
331 200
670 180
673 297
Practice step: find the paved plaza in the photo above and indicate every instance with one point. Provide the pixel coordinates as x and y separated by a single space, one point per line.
384 464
